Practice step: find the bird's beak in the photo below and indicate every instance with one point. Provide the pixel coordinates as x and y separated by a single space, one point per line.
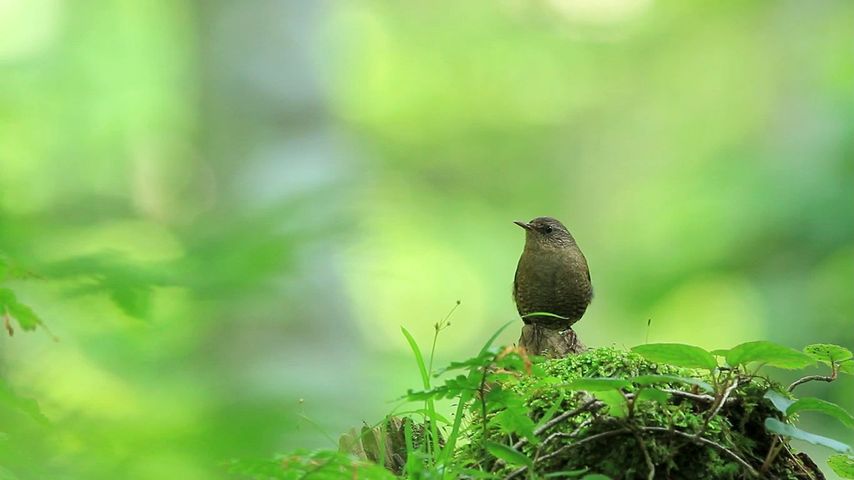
526 226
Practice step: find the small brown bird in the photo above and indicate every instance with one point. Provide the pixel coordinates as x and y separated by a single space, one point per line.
552 275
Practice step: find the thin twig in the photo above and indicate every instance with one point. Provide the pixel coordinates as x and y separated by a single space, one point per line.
691 396
834 371
592 404
597 436
776 445
717 407
646 457
800 462
572 434
708 442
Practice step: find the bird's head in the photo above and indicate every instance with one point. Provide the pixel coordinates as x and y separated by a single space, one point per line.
546 232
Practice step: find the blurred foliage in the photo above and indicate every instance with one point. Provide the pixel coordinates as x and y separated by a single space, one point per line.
222 213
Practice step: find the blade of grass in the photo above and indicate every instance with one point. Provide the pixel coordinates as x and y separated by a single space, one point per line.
425 379
450 443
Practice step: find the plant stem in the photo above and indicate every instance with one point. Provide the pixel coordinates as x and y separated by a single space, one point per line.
834 371
776 445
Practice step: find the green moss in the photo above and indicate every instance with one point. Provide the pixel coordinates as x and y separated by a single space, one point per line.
626 441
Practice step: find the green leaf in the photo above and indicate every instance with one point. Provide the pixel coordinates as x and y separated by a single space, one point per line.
511 420
827 352
596 476
775 426
842 465
425 379
847 367
597 384
770 354
615 401
818 405
658 379
509 454
720 352
678 354
653 395
780 401
25 316
513 416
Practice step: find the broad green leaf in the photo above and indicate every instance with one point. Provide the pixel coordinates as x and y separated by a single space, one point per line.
720 352
842 465
658 379
509 454
517 421
775 426
847 367
513 416
781 402
598 384
615 401
827 353
818 405
678 354
652 394
25 316
768 353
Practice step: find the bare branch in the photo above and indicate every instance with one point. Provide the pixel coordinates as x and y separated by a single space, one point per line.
717 407
834 371
776 445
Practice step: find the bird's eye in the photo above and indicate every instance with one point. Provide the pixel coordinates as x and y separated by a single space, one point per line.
547 229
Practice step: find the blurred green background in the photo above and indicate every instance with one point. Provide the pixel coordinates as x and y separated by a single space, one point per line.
224 211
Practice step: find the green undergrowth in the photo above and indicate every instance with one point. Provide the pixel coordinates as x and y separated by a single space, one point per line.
669 411
621 419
